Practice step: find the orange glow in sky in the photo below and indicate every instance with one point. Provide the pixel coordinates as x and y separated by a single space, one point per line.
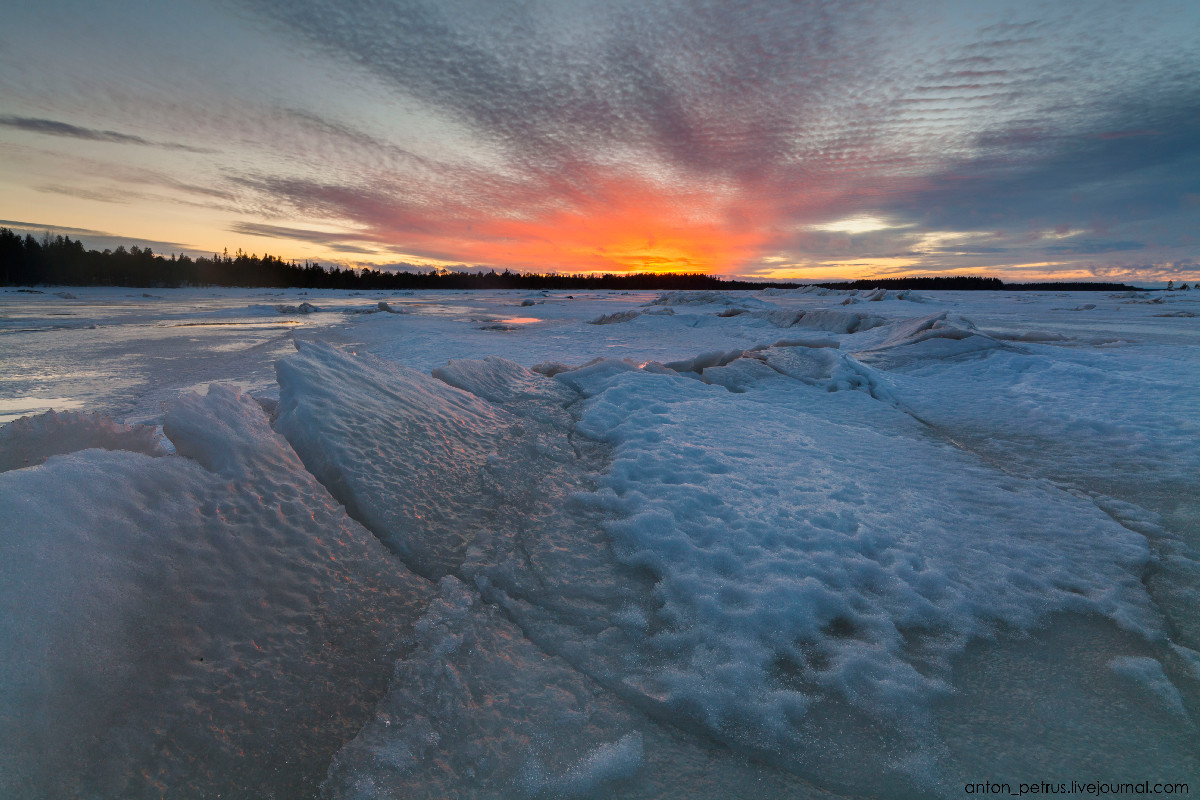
626 225
761 142
635 229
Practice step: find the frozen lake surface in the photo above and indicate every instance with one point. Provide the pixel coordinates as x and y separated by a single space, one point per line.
802 543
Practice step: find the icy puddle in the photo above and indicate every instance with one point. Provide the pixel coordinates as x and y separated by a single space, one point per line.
267 325
782 545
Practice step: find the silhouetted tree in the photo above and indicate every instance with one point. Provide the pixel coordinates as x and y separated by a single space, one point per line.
61 261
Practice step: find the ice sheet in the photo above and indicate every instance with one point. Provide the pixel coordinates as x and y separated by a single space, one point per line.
187 625
791 543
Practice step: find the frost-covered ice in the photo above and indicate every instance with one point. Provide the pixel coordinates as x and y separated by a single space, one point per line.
210 621
796 543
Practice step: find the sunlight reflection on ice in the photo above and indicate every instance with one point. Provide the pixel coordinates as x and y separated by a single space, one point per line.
17 407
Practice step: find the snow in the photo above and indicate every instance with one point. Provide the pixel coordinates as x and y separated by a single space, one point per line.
824 575
721 544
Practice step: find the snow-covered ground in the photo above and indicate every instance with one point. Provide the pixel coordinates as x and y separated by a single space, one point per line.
522 544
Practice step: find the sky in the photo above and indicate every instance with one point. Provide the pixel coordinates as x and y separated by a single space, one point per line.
765 140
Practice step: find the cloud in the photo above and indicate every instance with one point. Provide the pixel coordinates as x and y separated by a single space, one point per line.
686 134
51 127
1073 174
741 126
95 239
111 196
1186 269
341 242
30 227
1093 248
714 90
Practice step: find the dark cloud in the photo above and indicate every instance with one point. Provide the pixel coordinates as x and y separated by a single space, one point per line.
27 227
1171 270
99 196
1100 175
706 86
55 128
121 185
97 240
1093 248
806 111
342 242
701 133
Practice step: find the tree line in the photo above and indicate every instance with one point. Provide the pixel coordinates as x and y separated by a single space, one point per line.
976 283
62 261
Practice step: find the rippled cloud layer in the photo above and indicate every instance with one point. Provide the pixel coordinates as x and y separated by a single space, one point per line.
783 139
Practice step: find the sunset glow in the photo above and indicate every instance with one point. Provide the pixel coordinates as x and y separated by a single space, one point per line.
777 141
629 229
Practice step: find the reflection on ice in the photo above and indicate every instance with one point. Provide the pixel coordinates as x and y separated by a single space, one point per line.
273 325
15 407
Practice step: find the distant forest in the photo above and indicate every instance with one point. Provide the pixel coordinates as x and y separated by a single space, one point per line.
971 282
61 261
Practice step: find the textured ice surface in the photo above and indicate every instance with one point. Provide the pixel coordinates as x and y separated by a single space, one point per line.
923 338
704 298
1148 673
187 625
614 318
834 321
477 704
826 575
401 450
759 546
510 385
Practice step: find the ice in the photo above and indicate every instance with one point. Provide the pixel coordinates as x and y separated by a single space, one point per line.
542 727
1112 420
303 308
1050 702
816 291
1148 673
740 374
739 545
923 338
31 440
400 449
1035 336
608 762
703 299
829 369
171 622
697 364
824 575
508 384
833 321
1190 657
618 316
